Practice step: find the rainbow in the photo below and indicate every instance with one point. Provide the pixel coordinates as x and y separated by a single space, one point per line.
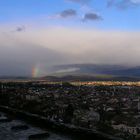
35 72
38 70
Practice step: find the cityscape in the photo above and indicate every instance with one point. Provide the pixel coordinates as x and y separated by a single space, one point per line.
112 108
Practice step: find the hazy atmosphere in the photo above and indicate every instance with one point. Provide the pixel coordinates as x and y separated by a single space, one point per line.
35 35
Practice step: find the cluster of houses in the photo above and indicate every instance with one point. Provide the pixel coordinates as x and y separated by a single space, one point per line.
113 109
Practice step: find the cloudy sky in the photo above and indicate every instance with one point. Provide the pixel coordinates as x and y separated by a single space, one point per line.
40 33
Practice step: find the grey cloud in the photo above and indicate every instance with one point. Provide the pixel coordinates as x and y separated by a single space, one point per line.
91 16
19 53
68 13
19 60
80 1
123 4
135 1
20 29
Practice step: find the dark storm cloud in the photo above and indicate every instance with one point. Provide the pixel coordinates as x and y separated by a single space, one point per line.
123 4
68 13
80 1
92 16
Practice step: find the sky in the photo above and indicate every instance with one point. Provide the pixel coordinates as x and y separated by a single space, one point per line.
103 14
76 31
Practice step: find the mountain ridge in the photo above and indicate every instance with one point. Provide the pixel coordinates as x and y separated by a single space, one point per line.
94 72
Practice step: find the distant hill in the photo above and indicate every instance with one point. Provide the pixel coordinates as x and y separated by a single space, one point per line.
90 72
69 78
78 72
